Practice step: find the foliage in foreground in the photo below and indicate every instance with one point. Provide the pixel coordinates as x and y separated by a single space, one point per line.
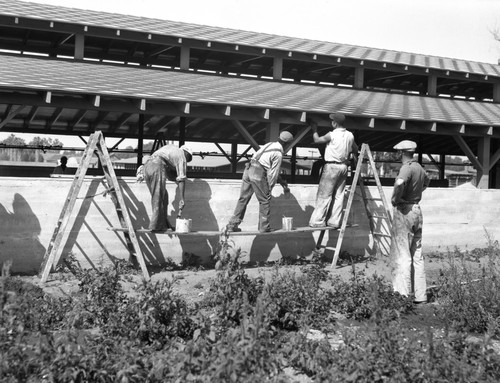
246 330
386 352
469 290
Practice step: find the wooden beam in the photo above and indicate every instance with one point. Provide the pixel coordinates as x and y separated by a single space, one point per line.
246 135
468 152
223 151
494 159
78 118
11 115
118 123
297 138
55 116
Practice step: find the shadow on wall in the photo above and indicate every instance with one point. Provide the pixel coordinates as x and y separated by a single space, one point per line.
291 246
81 222
199 210
149 244
19 237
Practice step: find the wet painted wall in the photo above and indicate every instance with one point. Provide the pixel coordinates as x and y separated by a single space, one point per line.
30 207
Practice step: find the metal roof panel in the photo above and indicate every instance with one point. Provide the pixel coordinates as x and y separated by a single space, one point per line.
231 36
33 73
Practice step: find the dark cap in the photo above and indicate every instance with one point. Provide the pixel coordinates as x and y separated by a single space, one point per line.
339 118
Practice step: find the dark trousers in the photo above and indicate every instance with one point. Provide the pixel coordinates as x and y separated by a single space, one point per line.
155 175
254 181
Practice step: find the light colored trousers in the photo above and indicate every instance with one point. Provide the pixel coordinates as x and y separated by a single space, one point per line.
408 269
331 185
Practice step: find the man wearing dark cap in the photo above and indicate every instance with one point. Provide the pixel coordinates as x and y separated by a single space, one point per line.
259 177
340 146
406 243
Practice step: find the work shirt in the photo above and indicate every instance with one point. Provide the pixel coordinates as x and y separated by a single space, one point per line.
270 157
415 181
174 158
341 145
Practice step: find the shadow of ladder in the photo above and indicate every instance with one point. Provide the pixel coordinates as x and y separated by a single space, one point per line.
95 144
367 201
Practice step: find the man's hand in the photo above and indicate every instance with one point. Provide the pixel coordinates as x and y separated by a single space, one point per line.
181 204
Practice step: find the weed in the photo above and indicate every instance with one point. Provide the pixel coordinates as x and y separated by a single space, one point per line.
360 297
469 290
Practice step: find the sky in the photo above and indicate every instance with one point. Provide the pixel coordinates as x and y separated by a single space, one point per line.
461 29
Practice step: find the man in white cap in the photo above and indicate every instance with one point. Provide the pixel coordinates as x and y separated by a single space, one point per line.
406 243
259 177
340 146
167 163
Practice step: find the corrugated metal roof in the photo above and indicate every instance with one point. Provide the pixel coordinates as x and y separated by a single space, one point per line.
23 72
237 37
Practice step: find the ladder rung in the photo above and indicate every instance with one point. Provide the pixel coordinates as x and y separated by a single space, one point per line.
378 216
382 235
374 199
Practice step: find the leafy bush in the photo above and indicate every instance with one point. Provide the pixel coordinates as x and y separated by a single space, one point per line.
298 299
386 352
232 289
360 297
153 317
469 292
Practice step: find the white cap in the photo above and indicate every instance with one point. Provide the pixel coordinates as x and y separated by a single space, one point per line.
187 150
406 145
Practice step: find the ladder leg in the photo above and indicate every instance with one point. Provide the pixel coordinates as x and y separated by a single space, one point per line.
121 209
52 254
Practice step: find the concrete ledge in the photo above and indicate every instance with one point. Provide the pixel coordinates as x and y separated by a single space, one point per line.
30 207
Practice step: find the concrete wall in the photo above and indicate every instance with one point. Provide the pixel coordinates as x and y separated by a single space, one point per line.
30 207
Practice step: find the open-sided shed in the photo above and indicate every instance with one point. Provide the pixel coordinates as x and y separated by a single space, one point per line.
71 71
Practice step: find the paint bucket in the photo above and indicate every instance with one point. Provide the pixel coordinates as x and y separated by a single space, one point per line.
183 225
287 223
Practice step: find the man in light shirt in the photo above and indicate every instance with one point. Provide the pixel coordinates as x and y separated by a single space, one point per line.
340 147
167 163
259 177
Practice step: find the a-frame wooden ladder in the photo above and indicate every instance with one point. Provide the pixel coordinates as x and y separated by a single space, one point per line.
95 144
372 216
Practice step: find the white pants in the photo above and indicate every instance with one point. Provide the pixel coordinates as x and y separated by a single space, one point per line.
408 269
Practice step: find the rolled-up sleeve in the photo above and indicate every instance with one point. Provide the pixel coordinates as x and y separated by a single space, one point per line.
274 170
181 170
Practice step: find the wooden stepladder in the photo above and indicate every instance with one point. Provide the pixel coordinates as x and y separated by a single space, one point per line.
370 211
95 144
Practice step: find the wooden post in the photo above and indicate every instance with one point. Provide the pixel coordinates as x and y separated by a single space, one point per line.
432 85
140 140
496 92
234 157
182 131
293 168
184 60
79 46
442 166
273 131
484 159
277 68
359 78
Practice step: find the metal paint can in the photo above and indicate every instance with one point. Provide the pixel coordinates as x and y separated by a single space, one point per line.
183 225
287 223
